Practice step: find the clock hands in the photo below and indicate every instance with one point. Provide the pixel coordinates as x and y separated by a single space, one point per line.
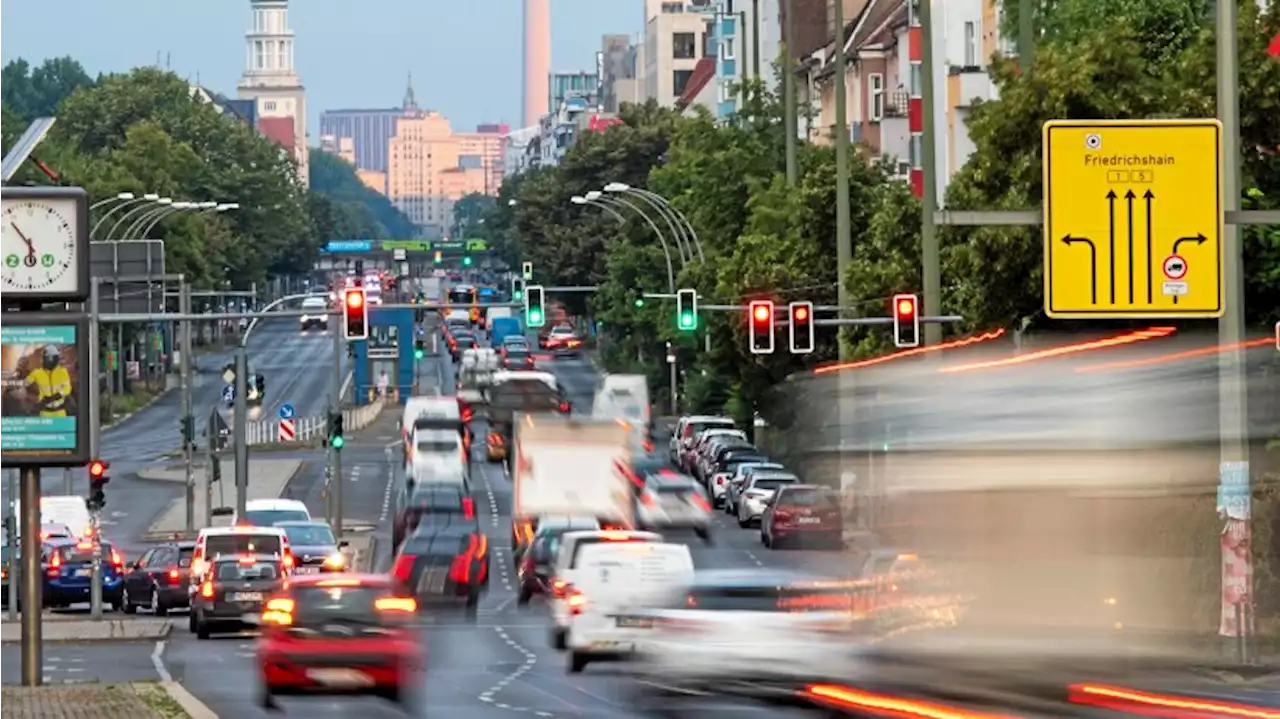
30 259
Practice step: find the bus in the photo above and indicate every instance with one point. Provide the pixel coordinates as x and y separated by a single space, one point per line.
467 295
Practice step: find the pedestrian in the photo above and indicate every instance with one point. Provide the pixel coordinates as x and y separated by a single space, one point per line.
383 383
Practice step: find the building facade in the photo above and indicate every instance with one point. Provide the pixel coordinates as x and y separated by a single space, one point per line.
272 83
676 38
581 84
369 131
620 80
430 167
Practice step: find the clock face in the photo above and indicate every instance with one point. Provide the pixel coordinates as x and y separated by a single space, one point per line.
38 245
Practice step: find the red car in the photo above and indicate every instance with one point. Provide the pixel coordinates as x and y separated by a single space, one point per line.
349 634
803 515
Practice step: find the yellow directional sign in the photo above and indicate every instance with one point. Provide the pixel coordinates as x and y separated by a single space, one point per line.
1133 219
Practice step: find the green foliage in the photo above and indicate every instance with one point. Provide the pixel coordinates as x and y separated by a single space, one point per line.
37 92
367 212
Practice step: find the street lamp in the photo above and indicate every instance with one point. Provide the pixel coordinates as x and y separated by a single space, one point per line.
147 220
149 197
595 199
154 219
115 229
120 197
675 219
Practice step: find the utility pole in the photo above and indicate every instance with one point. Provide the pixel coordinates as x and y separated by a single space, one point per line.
755 39
1232 401
335 407
929 254
239 430
188 421
844 240
789 89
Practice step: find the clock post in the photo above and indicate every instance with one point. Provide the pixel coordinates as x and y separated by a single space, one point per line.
48 353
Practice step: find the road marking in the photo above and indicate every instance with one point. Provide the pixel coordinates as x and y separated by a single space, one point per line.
355 473
755 558
386 497
530 659
157 661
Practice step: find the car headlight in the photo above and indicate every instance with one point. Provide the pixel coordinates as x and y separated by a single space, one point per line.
335 561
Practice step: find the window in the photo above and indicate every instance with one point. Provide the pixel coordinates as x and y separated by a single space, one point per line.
259 55
916 151
725 95
970 45
875 87
917 81
679 80
269 106
726 48
683 46
709 39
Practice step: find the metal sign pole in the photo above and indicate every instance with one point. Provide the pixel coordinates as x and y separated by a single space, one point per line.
335 406
11 535
32 629
240 431
95 587
188 421
95 445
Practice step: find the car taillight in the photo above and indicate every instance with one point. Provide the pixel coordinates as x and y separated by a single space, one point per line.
278 611
700 502
287 560
781 515
647 499
116 560
468 507
720 480
577 601
55 561
565 406
408 605
174 575
403 568
559 587
206 589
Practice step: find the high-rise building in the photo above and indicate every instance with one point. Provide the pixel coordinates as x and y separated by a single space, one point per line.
485 149
429 168
581 84
537 60
270 80
620 65
677 41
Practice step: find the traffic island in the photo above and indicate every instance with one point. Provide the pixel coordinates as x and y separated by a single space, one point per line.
142 700
268 479
79 631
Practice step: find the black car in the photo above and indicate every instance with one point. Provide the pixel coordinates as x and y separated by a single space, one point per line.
314 547
461 343
533 565
231 596
426 503
445 562
158 580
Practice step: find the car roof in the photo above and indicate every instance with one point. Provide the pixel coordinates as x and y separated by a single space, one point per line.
237 556
345 579
240 529
673 479
775 474
696 418
563 521
575 535
70 541
277 503
303 523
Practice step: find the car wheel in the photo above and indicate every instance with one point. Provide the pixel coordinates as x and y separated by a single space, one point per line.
157 606
764 539
128 606
191 620
743 523
558 639
577 662
526 593
266 699
202 628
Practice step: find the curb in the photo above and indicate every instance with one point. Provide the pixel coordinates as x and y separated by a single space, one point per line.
125 418
164 634
194 708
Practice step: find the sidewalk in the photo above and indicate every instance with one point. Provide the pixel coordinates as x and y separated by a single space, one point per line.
267 480
140 700
86 630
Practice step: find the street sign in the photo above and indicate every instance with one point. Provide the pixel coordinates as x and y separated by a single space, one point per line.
1121 199
229 375
229 393
286 411
1175 267
287 430
349 246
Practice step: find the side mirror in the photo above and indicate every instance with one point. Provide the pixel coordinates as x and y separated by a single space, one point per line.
344 544
222 512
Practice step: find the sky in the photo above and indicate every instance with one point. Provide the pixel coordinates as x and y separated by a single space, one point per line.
465 56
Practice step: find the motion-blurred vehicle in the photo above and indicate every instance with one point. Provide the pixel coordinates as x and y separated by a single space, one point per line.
741 473
238 540
68 573
534 563
232 592
64 516
611 587
158 580
566 568
461 342
269 512
347 634
517 357
673 501
803 515
689 427
639 465
317 309
315 549
757 494
504 329
437 451
514 340
430 503
445 563
727 629
562 341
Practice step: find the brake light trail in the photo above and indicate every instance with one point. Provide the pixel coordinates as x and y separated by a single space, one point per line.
1064 350
953 344
1174 357
1163 705
841 697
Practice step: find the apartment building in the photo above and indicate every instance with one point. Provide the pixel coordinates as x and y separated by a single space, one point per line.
485 149
580 84
427 169
621 62
676 40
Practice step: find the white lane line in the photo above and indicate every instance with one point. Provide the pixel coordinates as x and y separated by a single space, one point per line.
157 661
355 473
488 696
386 497
754 558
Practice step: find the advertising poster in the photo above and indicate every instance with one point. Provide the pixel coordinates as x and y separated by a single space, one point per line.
45 413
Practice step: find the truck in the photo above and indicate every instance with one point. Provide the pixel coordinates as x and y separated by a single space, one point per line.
512 393
568 466
502 326
625 398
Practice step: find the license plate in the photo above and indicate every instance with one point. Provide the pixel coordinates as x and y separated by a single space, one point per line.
245 596
307 570
84 572
810 520
635 623
340 677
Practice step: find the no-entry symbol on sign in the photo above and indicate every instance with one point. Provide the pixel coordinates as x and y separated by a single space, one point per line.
1175 267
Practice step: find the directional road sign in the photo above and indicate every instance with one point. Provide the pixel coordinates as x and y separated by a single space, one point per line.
286 411
1122 199
229 393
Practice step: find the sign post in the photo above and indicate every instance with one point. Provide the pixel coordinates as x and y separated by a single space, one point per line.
1124 200
288 429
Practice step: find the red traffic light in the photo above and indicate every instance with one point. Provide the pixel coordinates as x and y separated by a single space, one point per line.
906 306
97 468
355 299
762 313
802 314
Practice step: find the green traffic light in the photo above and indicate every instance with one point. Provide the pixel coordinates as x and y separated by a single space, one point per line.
466 261
419 354
639 302
688 321
535 317
517 295
338 442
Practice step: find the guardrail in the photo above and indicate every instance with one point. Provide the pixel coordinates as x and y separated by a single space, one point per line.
310 428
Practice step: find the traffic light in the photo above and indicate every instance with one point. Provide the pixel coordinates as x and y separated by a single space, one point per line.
98 478
335 430
517 289
906 321
801 327
466 260
687 310
760 326
526 271
534 316
188 426
419 349
439 257
356 314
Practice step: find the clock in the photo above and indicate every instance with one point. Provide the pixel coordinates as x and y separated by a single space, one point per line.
44 244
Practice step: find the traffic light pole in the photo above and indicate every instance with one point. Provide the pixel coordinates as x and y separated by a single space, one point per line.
238 431
188 421
335 407
95 450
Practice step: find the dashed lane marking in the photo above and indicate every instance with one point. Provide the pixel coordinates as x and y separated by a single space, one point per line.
355 473
489 695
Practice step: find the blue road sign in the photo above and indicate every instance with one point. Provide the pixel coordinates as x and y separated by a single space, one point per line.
286 411
229 393
349 246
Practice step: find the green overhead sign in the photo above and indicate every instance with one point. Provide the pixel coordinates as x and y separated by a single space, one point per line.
434 245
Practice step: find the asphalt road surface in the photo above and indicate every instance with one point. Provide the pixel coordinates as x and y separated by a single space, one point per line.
103 662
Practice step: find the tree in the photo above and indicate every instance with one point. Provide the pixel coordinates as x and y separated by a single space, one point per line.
336 179
37 92
469 214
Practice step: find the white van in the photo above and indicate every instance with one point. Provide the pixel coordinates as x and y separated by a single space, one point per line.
613 584
623 396
317 309
564 570
68 510
436 406
437 455
266 512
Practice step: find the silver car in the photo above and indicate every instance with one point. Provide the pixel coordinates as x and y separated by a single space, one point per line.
756 494
739 477
674 501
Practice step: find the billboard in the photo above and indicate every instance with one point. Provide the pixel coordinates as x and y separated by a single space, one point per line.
44 412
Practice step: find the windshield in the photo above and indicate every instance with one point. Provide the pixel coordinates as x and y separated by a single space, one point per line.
313 304
437 445
268 517
769 485
238 571
83 553
816 498
184 556
311 535
698 427
519 353
315 606
466 341
242 544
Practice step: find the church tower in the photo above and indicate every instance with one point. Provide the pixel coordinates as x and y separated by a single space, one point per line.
271 81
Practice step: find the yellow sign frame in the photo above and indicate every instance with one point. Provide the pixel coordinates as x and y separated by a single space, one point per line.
1138 168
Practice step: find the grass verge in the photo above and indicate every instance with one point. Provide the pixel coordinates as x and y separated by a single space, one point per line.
155 697
116 406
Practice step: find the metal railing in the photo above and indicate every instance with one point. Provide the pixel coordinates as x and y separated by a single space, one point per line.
309 428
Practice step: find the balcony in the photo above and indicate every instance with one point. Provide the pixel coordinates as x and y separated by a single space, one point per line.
965 84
